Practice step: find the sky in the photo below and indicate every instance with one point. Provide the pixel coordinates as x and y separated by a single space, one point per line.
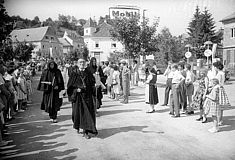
174 14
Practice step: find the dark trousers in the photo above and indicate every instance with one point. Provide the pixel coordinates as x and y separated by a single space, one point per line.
167 90
53 113
175 105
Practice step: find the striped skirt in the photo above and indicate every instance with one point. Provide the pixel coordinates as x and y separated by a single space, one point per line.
223 99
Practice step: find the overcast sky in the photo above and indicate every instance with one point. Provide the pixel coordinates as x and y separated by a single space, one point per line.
174 14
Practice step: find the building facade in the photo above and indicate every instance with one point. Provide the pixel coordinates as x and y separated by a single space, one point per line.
44 39
229 41
99 41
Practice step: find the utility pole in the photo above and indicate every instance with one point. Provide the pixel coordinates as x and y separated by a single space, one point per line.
144 56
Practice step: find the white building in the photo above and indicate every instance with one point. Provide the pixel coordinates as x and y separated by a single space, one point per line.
99 40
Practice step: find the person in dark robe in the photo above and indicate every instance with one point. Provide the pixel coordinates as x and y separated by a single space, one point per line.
80 89
93 68
51 83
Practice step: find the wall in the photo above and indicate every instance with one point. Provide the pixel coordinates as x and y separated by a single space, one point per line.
104 48
227 39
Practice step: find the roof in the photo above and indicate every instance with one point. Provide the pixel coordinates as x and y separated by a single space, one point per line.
64 42
232 16
89 23
103 30
72 35
29 35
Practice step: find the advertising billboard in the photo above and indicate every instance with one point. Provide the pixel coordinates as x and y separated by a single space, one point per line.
121 11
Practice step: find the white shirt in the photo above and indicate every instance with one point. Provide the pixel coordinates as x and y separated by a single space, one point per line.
177 78
189 77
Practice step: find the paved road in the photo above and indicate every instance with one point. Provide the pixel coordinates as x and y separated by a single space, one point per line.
125 132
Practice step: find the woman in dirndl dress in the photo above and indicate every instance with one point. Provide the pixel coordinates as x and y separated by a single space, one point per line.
151 94
211 105
223 98
198 100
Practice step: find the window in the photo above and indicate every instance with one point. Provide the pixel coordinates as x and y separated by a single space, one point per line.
43 46
113 45
233 32
52 38
96 45
86 30
47 37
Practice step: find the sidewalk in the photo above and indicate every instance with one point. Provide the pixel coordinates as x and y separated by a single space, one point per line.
125 132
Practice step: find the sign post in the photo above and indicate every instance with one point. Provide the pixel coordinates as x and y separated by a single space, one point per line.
188 55
208 53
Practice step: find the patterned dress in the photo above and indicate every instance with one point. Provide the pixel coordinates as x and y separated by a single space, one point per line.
198 97
223 98
211 105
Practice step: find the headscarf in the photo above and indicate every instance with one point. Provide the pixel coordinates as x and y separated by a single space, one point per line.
92 67
55 66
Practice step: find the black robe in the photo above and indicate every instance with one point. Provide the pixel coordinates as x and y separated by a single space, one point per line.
50 101
99 94
83 109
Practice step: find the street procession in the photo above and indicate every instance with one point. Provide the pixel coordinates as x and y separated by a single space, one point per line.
142 81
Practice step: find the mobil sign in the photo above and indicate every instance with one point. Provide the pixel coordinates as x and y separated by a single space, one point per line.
123 11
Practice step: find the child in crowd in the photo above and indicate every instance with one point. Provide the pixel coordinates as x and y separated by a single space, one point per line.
22 92
198 100
211 105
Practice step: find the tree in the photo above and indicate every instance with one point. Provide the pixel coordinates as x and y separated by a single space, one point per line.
82 22
148 38
36 22
23 51
170 48
200 30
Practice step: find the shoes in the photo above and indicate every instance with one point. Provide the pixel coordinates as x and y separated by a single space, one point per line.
54 121
3 143
213 130
164 105
171 113
205 121
21 111
220 123
150 111
174 116
199 119
183 112
123 102
87 136
190 112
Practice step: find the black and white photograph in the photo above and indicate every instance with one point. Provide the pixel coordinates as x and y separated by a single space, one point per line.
117 79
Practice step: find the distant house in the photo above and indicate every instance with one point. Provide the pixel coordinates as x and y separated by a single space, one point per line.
99 40
43 38
73 38
67 47
229 41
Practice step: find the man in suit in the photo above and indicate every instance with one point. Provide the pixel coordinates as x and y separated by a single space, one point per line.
125 81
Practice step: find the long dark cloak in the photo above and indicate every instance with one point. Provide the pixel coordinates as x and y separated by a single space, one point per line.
83 109
50 100
93 68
